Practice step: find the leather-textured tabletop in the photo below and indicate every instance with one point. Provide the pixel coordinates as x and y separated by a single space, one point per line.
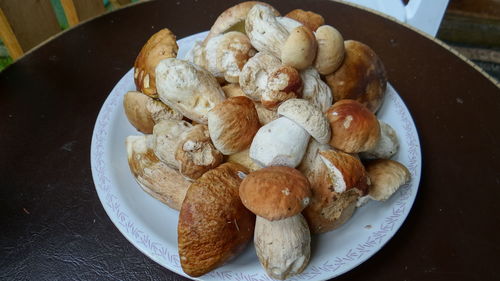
53 226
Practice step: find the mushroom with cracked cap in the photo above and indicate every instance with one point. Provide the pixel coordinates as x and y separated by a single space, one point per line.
284 141
337 181
282 239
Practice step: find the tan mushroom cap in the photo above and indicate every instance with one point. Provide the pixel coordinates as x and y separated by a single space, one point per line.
307 18
232 124
161 45
300 48
354 127
214 226
275 192
234 18
386 177
330 49
143 112
308 117
282 84
361 76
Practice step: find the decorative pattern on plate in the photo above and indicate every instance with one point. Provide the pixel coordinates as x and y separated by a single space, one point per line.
372 237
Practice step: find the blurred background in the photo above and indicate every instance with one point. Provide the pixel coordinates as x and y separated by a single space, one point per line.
472 27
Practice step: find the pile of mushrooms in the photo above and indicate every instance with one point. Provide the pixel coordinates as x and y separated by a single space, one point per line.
268 129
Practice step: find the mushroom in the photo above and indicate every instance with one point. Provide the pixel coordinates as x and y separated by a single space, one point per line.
232 124
161 45
153 176
299 49
213 226
143 112
195 152
233 19
255 74
284 141
188 88
265 79
282 239
356 129
337 181
386 177
224 55
310 19
166 136
233 90
330 49
361 76
282 84
315 90
266 33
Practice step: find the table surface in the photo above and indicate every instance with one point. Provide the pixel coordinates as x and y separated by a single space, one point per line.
53 226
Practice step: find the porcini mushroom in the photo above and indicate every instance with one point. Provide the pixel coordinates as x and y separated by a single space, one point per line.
308 18
224 55
386 177
361 76
188 88
153 176
330 49
166 136
233 19
315 90
337 181
282 239
160 46
143 112
355 129
299 49
213 225
284 141
232 124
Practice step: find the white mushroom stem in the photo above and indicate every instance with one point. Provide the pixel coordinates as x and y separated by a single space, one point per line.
281 142
283 246
387 145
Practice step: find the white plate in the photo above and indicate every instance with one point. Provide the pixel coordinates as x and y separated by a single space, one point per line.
152 226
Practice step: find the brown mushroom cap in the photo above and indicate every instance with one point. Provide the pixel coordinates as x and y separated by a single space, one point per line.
354 127
275 192
161 45
213 223
307 18
232 124
361 76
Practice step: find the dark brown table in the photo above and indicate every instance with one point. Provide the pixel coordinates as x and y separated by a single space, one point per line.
53 226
